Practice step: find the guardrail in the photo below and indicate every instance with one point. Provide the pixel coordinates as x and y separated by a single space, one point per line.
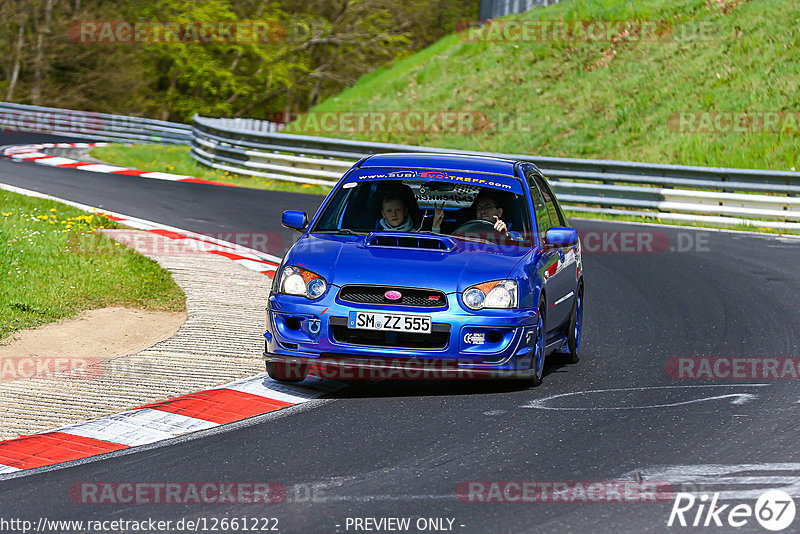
492 9
86 124
248 146
677 192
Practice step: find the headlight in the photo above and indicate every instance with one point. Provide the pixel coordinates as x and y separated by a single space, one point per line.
301 282
496 294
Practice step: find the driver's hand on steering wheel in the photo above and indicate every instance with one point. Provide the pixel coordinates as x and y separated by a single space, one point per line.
438 217
499 225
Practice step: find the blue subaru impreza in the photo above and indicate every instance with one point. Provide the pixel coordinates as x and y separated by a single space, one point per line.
428 265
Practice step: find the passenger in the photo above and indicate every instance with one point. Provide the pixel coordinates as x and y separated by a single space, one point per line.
395 215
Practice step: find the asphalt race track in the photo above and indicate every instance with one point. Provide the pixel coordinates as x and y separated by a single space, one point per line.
402 449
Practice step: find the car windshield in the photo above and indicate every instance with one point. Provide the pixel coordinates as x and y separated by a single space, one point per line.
465 211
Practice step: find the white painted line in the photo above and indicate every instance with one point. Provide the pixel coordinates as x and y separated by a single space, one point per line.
593 405
208 246
263 386
147 425
164 176
116 429
171 423
256 265
19 150
56 161
29 155
732 482
7 469
97 167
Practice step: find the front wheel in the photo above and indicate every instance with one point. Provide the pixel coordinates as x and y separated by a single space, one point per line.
537 361
575 326
287 371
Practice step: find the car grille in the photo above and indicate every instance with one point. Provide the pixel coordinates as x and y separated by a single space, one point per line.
437 339
412 297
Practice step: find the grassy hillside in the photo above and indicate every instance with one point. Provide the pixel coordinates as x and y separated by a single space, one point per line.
613 99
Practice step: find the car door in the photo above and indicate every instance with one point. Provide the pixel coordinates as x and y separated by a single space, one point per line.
547 266
561 267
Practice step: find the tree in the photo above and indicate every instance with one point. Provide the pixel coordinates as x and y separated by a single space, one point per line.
319 48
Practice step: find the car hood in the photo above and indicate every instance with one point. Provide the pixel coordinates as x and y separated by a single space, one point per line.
343 259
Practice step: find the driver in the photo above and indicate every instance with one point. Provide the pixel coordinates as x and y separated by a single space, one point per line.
395 214
487 208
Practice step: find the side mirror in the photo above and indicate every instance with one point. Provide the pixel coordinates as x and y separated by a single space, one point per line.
560 236
294 220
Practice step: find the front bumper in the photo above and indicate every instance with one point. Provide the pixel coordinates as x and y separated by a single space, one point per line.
488 342
350 368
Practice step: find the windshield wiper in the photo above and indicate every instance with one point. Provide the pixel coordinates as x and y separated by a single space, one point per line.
341 231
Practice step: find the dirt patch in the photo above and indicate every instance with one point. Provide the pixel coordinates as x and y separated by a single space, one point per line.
101 334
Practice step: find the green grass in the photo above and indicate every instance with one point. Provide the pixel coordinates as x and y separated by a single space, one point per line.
177 160
603 99
54 264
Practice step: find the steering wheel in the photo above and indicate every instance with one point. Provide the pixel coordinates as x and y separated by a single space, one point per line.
476 225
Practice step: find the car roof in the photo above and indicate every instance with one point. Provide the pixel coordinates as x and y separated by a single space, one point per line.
460 162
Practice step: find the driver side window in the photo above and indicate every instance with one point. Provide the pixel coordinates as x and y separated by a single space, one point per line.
543 222
555 214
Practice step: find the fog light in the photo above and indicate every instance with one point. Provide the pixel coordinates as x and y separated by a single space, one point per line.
473 298
315 288
494 336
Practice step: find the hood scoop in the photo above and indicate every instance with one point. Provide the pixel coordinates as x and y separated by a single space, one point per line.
410 240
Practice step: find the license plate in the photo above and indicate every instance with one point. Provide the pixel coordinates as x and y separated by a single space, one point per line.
419 324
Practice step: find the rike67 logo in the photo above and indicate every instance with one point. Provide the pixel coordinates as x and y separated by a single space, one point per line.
774 510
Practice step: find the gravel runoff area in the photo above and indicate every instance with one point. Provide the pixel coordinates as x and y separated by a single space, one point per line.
80 154
221 341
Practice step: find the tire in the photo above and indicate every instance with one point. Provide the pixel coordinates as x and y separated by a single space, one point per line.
537 360
287 371
575 327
